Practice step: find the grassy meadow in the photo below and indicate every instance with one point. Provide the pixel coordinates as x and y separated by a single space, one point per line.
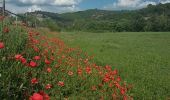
143 58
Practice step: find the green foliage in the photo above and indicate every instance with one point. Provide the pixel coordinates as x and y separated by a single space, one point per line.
153 18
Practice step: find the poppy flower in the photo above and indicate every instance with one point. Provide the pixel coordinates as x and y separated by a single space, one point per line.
106 79
125 98
117 85
18 56
70 73
2 18
79 71
34 81
33 64
36 96
49 70
114 96
5 30
122 92
118 79
47 61
61 83
48 86
46 97
23 60
37 57
93 88
2 45
88 70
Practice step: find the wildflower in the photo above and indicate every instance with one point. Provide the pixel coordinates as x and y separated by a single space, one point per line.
47 61
2 45
36 96
79 71
41 92
2 18
63 56
115 72
46 97
61 83
23 60
48 86
37 57
35 41
118 79
88 70
106 79
57 66
70 73
114 96
18 56
33 64
93 88
34 81
109 68
122 92
36 49
117 85
49 70
6 30
125 98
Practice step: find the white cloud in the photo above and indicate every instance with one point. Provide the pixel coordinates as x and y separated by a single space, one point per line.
164 1
129 4
59 6
47 2
34 8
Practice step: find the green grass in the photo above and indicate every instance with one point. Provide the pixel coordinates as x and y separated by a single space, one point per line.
142 58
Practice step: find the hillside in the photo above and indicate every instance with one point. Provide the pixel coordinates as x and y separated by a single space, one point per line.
152 18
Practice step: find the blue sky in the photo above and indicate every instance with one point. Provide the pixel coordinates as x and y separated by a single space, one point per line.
90 4
61 6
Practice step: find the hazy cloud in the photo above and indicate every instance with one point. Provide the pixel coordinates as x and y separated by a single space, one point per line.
59 6
164 1
129 4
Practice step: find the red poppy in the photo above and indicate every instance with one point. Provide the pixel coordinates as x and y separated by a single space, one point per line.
109 68
37 57
36 96
79 71
33 64
2 45
114 96
34 81
118 79
46 97
47 61
23 60
125 98
106 79
5 30
122 92
18 56
48 86
49 70
117 85
88 70
2 18
70 73
61 83
93 88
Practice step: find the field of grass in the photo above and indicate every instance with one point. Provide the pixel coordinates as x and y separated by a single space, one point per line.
35 64
142 58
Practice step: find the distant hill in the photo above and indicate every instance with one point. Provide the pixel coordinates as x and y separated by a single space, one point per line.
151 18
